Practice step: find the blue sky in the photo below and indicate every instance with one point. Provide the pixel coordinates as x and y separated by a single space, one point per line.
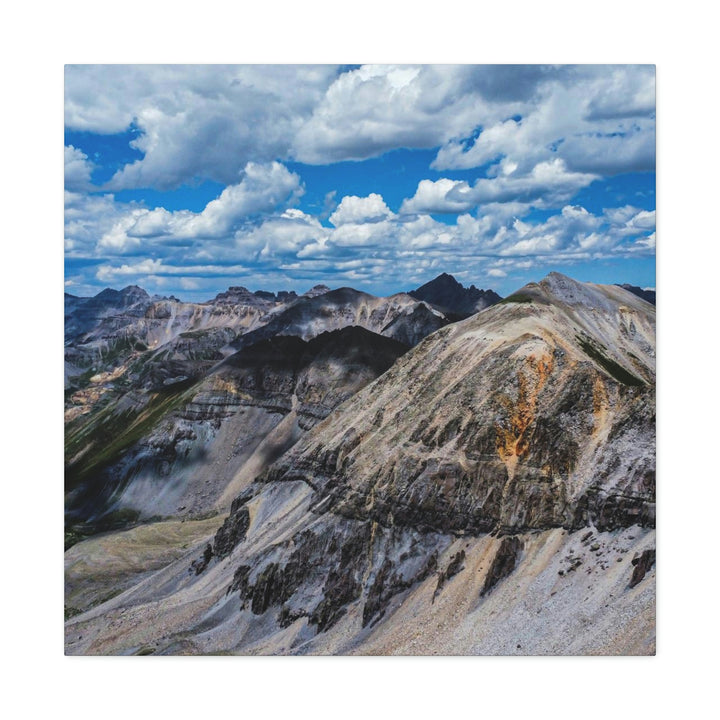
188 179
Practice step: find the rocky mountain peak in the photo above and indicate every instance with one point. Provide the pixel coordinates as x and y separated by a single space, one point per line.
237 294
448 295
590 297
567 290
110 298
134 291
444 281
316 290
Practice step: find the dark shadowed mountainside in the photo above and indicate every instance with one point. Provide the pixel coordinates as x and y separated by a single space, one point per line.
447 295
648 295
158 453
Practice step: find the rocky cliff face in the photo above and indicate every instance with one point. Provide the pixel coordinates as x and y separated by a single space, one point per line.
486 494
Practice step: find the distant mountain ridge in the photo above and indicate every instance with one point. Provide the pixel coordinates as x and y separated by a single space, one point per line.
239 294
135 364
398 316
245 410
643 293
447 295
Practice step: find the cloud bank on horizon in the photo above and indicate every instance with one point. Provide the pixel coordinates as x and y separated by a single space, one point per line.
187 179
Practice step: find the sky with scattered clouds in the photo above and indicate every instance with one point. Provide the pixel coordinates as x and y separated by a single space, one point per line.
188 179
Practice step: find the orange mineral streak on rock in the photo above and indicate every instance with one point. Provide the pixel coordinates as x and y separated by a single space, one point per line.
221 385
84 400
512 437
600 405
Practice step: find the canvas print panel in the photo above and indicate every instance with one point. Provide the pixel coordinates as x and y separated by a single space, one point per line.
360 360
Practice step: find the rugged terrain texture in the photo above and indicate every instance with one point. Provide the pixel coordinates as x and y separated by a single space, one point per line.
537 413
493 492
398 316
115 322
125 340
158 424
187 448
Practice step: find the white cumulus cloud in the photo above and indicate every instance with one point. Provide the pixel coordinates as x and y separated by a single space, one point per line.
353 209
264 189
209 121
194 121
78 169
434 197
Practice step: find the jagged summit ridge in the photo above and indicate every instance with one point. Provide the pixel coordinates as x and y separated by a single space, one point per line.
556 287
127 296
448 295
572 292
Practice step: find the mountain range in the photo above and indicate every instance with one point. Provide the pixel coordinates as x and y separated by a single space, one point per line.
644 293
442 471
